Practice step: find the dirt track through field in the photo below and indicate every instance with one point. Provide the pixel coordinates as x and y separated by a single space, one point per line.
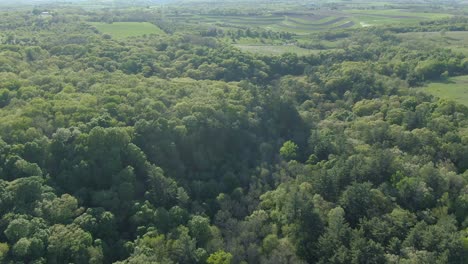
380 15
333 21
309 18
347 24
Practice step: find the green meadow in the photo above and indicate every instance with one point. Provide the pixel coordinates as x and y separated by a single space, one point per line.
275 49
455 88
455 40
121 30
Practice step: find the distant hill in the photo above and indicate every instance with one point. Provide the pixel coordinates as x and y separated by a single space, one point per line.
35 2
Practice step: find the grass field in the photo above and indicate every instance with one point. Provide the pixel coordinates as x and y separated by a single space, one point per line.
400 13
392 16
455 88
275 49
121 30
455 40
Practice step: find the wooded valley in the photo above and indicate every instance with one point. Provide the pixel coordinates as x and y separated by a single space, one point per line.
154 133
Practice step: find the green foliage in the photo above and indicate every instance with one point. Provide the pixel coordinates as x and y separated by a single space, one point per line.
131 147
220 257
200 229
289 150
360 200
60 210
68 243
270 243
21 248
4 248
17 229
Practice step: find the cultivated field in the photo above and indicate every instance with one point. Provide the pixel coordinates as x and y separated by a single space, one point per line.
121 30
305 22
301 22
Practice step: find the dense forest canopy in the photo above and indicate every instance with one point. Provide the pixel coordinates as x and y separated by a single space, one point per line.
146 133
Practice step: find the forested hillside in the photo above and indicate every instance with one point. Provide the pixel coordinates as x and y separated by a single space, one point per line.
177 147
